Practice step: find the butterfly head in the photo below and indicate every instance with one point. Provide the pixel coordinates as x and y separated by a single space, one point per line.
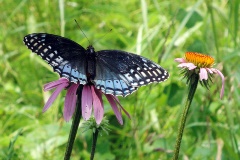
90 49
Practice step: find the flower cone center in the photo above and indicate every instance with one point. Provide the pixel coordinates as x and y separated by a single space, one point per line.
200 60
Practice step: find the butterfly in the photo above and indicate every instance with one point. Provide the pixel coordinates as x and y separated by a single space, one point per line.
113 71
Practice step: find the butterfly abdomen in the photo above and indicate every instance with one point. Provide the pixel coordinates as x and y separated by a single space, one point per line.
91 64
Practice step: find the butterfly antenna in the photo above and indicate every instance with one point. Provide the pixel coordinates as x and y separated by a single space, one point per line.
82 31
102 36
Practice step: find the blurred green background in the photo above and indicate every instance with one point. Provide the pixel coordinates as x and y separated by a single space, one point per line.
157 29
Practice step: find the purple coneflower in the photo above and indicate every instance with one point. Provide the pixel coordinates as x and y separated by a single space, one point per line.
197 67
91 98
200 64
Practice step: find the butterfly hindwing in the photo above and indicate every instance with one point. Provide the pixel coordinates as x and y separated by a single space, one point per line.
121 73
65 56
110 81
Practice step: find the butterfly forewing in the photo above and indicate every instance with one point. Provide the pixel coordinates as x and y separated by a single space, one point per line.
121 73
65 56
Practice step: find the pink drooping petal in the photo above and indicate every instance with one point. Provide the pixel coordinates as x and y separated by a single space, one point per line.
54 84
209 70
223 81
116 99
70 102
112 102
97 104
180 60
203 74
190 66
87 102
54 95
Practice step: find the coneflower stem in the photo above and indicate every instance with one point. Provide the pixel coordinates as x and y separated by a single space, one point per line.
75 124
193 86
94 143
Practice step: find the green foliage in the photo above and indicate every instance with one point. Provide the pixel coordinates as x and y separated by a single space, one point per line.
158 30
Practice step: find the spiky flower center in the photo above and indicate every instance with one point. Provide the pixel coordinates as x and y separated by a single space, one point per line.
200 60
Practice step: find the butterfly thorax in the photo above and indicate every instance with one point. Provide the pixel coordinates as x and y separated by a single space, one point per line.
91 61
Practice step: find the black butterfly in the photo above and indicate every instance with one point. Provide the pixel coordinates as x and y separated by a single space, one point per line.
114 72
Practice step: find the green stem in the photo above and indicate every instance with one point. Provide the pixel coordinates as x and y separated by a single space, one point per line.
192 89
94 143
75 123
